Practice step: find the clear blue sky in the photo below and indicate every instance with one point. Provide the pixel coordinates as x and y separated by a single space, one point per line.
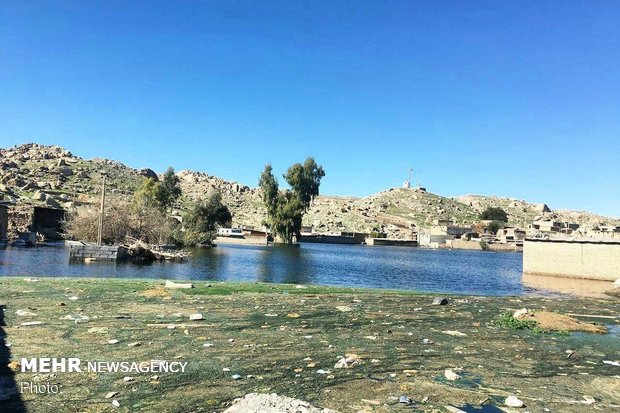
511 98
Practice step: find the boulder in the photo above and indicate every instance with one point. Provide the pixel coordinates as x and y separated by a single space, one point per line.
148 173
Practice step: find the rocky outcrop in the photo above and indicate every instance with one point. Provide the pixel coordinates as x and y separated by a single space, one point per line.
33 174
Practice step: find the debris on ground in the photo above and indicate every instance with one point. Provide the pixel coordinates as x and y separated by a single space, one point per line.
440 301
513 401
171 284
272 403
551 321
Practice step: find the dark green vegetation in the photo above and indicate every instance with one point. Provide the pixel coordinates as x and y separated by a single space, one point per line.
201 220
282 335
507 320
285 209
494 214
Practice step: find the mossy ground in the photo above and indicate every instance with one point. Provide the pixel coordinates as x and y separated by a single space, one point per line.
272 331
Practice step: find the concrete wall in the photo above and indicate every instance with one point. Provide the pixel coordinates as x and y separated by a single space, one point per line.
392 242
4 221
81 251
597 260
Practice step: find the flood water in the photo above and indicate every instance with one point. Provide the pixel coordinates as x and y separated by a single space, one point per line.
450 271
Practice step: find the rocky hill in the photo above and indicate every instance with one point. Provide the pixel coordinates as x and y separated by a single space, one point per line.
53 176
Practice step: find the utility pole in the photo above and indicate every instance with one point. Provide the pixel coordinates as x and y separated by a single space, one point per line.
101 208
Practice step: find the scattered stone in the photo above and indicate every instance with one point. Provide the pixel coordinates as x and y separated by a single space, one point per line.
344 308
170 284
115 403
520 313
113 341
134 344
111 394
612 363
128 379
24 313
440 301
31 323
347 362
513 401
454 333
236 376
196 317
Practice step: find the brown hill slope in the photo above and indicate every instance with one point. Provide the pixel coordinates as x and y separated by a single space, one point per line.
51 175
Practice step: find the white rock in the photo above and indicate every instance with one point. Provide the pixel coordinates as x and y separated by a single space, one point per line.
513 401
115 403
451 375
170 284
195 317
24 313
520 313
113 341
31 323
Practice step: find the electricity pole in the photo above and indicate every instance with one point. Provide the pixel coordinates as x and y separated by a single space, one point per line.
100 229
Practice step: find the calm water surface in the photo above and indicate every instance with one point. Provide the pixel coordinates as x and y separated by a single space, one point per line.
467 272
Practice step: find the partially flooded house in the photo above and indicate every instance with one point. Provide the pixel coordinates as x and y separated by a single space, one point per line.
38 219
4 221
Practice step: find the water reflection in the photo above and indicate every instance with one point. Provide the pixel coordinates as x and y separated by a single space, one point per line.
467 272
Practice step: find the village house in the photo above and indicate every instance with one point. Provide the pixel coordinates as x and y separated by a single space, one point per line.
510 234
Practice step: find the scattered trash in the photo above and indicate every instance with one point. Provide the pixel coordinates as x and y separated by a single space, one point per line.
321 371
405 400
292 315
427 341
344 308
207 345
24 313
115 403
236 376
588 400
610 362
74 298
134 344
196 317
513 401
14 366
128 379
31 323
113 341
170 284
454 333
